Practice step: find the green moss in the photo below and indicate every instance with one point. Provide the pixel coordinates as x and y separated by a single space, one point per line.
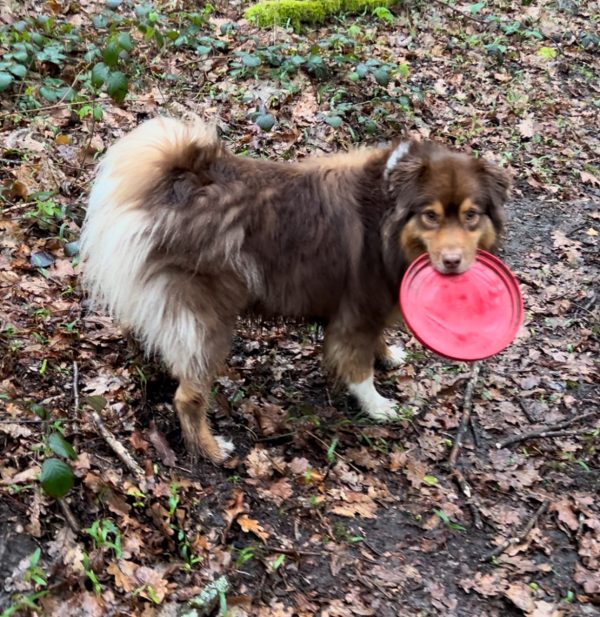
295 12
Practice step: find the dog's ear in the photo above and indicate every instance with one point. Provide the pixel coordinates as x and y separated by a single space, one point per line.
497 185
406 167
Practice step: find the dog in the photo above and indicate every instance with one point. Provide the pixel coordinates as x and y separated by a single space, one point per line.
181 237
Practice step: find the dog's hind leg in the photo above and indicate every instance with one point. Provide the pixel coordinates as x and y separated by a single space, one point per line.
190 320
349 354
192 401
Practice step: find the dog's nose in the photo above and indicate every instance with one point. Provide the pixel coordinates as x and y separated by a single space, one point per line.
451 260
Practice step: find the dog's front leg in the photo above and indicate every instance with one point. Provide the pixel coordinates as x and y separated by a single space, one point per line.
349 355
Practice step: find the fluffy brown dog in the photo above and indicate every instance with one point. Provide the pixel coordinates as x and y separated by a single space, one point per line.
181 237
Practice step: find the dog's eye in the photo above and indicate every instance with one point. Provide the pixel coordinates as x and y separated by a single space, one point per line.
430 217
471 216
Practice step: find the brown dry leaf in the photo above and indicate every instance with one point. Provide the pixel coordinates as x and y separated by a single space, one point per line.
589 178
488 584
258 463
565 513
130 576
588 579
545 609
164 451
15 430
527 127
249 525
27 475
67 551
271 419
305 107
82 604
234 506
355 504
299 466
361 456
278 491
521 595
34 527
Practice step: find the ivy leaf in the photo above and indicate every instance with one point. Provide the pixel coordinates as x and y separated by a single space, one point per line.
18 69
61 446
57 478
117 85
382 77
110 54
125 41
251 60
266 122
5 80
334 121
99 74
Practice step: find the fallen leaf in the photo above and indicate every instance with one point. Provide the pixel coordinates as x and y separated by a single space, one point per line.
527 127
521 595
249 525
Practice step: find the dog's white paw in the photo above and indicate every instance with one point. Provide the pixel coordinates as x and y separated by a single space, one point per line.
372 403
226 445
383 410
396 356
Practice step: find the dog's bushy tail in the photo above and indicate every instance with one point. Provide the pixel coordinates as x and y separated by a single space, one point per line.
120 232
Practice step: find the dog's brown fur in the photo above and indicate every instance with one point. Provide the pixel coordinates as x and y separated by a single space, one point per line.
205 236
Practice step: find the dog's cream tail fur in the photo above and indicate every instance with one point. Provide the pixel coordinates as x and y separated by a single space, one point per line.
119 234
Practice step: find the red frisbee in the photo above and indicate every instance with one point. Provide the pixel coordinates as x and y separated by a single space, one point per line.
468 316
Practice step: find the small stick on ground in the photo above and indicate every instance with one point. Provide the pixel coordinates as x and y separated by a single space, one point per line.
498 550
465 422
69 516
119 450
466 415
551 430
76 386
465 487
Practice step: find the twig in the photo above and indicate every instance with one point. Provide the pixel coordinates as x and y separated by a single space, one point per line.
498 550
336 454
459 12
465 488
119 450
69 516
292 551
466 415
76 385
19 421
552 430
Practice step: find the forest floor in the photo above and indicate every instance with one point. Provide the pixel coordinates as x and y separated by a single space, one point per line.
320 512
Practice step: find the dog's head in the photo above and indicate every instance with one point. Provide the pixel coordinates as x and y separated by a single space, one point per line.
446 204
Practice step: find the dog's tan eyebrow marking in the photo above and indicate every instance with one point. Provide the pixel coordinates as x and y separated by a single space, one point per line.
467 204
436 207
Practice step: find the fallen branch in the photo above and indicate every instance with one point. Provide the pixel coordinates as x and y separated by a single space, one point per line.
119 450
498 550
292 552
466 415
465 487
76 385
552 430
465 422
69 516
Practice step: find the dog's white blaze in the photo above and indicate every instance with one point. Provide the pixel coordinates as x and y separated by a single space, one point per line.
371 402
396 156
